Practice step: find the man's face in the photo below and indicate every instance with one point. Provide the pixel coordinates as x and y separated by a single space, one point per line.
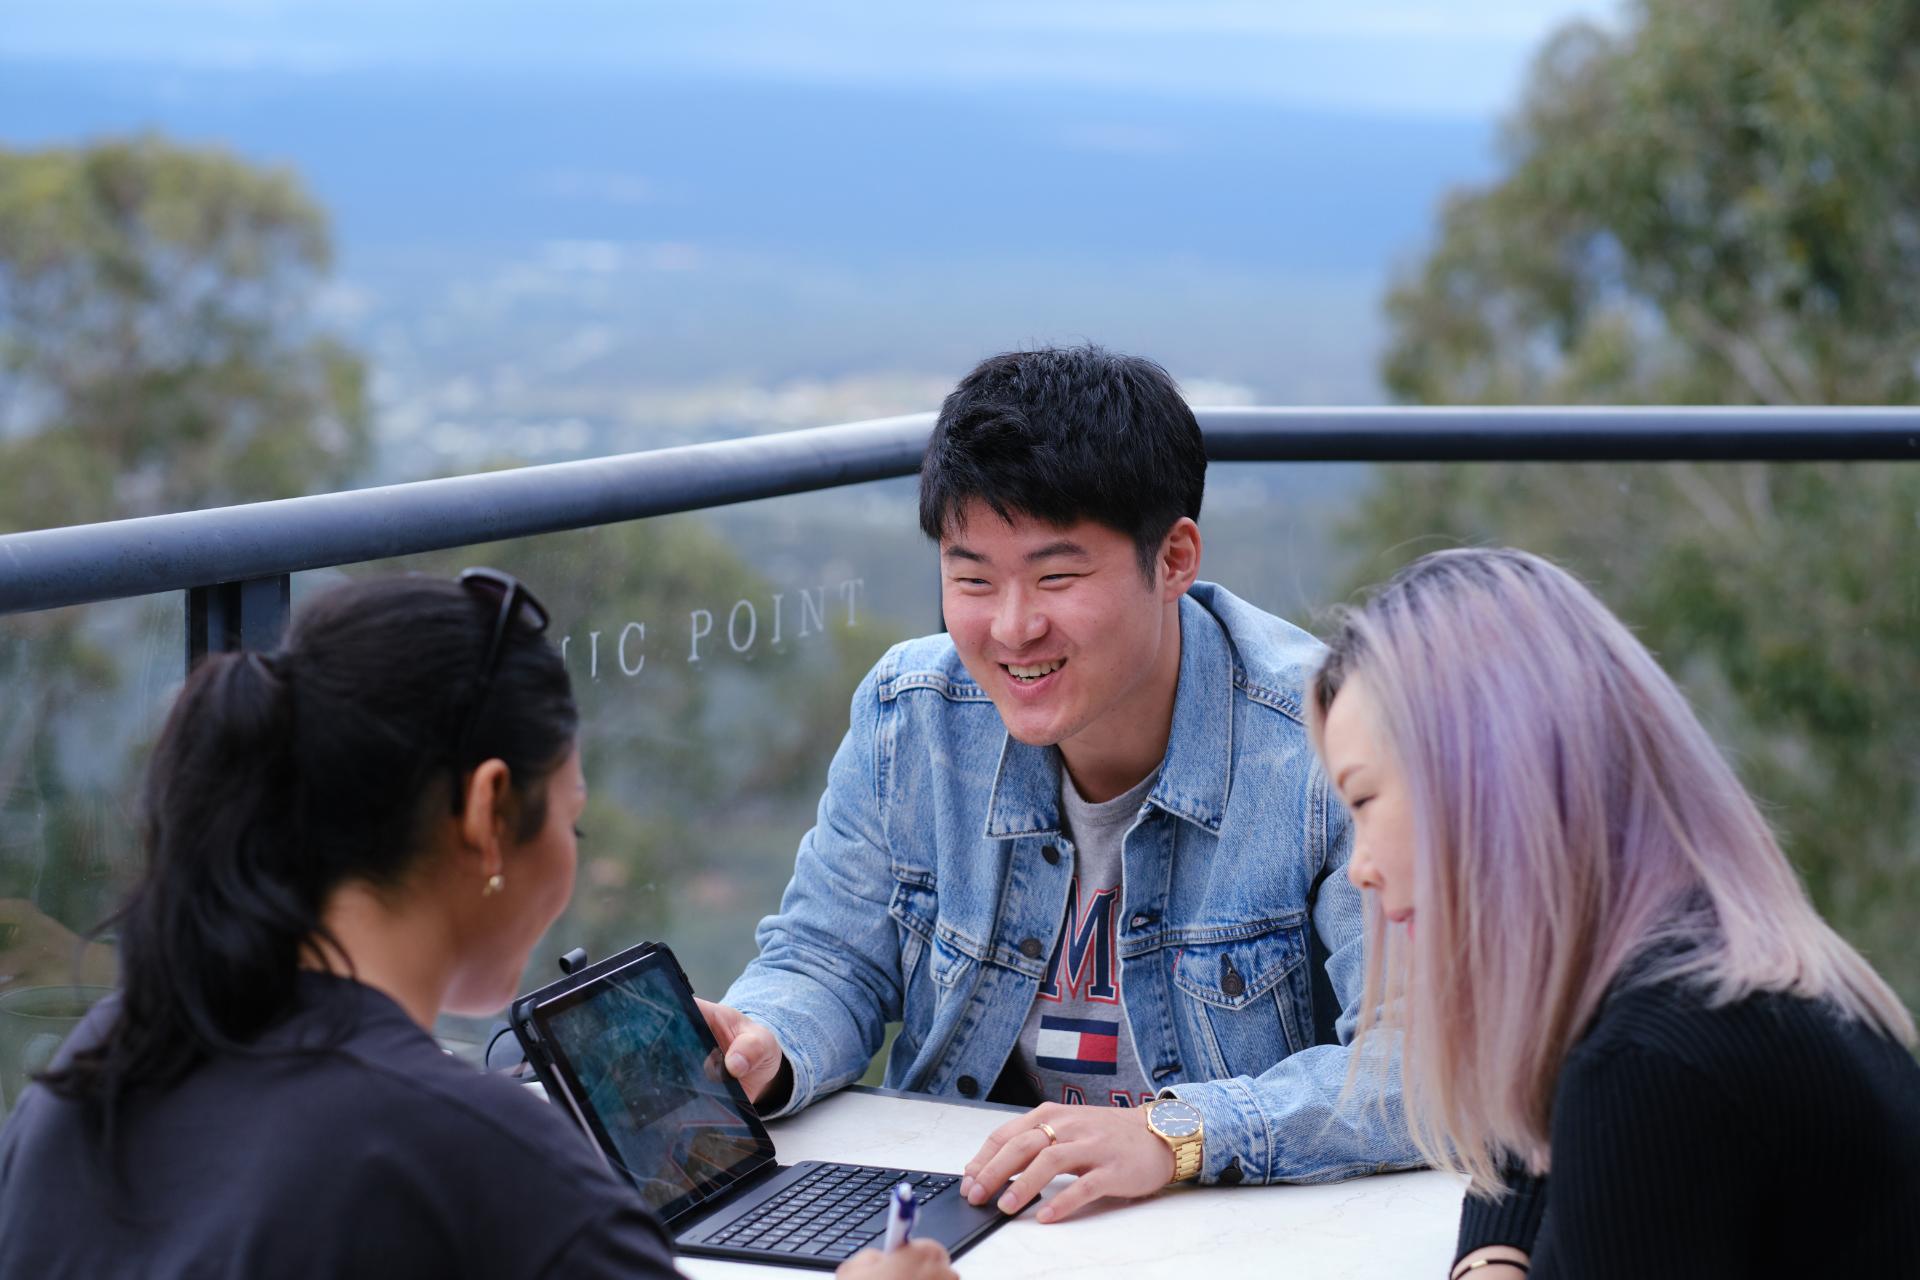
1059 626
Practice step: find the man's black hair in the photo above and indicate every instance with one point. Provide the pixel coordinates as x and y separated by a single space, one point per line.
1067 434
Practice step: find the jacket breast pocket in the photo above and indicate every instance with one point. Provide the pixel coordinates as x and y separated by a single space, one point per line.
1247 998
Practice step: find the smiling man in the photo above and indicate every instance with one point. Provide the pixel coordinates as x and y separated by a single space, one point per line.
1079 847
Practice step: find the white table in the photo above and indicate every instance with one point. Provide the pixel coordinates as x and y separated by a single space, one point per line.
1399 1226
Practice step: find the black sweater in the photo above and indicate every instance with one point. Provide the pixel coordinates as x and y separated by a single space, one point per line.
1767 1137
375 1156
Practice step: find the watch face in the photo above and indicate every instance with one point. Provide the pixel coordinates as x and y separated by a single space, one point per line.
1175 1118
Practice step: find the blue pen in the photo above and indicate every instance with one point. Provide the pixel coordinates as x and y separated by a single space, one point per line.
900 1210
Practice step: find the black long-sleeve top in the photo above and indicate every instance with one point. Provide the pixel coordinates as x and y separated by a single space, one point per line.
1771 1136
348 1144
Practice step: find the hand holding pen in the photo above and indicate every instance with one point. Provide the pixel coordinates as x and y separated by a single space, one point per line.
904 1258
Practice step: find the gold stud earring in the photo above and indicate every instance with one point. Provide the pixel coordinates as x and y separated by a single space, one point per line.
495 883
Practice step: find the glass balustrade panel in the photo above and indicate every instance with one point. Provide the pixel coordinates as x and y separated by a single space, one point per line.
713 655
83 692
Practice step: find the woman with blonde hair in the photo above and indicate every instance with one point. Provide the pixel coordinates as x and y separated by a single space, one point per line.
1618 1012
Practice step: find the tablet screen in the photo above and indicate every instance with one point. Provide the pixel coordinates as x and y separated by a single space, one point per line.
639 1059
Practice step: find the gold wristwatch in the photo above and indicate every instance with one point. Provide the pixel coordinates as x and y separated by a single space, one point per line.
1178 1124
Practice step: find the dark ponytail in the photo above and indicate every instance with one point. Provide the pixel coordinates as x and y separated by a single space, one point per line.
277 778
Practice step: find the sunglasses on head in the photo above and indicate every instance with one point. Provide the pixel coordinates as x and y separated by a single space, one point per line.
514 601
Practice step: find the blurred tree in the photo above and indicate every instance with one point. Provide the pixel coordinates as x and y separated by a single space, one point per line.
1719 204
157 348
158 352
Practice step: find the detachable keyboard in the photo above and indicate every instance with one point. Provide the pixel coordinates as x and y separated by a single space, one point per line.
832 1213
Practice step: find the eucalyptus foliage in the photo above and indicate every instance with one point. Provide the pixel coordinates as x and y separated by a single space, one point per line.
1717 203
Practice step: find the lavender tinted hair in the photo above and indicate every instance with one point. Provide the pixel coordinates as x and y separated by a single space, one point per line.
1571 818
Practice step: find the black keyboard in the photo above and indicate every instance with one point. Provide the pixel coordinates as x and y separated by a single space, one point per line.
828 1213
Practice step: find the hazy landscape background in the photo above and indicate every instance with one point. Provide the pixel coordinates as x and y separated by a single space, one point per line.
597 226
610 227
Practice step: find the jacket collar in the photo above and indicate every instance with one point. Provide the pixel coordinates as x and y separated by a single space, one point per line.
1196 773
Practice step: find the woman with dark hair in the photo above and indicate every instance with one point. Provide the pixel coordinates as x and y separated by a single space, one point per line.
370 826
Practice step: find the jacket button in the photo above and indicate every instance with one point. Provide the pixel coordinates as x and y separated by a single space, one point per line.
1230 980
968 1086
1171 1069
1232 1175
1051 854
1031 948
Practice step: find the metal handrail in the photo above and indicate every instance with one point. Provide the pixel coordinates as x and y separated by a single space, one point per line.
49 568
84 563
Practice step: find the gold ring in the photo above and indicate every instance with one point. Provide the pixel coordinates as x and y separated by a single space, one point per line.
1047 1129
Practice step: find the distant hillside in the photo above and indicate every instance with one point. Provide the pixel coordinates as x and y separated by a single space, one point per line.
549 268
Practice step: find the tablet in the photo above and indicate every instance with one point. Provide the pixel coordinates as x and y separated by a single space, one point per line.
622 1045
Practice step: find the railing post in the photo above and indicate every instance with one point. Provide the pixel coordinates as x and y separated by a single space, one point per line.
237 615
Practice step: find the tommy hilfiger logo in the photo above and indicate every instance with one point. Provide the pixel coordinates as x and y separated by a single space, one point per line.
1083 1046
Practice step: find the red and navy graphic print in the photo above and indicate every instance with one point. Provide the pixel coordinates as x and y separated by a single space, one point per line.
1076 1046
1086 947
1083 1046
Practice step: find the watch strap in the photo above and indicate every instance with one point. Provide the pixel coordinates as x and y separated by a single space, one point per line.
1188 1152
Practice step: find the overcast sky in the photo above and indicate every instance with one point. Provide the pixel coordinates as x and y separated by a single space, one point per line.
1441 57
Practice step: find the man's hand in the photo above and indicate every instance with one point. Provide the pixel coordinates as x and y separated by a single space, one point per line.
749 1050
1111 1149
914 1260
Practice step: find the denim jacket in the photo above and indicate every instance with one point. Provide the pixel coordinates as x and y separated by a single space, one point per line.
932 888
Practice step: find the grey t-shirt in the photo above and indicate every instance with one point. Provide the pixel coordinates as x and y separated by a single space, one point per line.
1076 1046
